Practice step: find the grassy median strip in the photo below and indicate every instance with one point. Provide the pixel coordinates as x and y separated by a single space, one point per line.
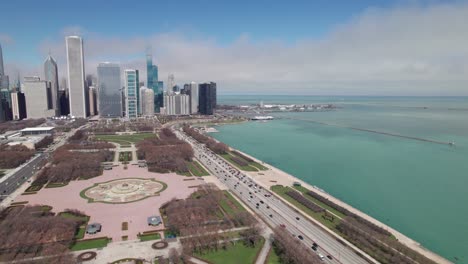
304 191
232 160
282 190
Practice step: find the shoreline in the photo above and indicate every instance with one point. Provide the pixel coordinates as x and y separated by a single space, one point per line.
278 177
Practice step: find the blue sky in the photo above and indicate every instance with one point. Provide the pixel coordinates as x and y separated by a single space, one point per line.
31 28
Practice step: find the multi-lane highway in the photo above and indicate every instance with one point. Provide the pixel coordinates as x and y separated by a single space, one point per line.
10 184
14 181
272 210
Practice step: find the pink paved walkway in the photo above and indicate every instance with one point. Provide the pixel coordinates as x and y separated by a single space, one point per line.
111 216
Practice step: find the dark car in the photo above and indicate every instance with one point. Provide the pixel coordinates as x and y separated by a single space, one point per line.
314 248
300 237
297 218
329 257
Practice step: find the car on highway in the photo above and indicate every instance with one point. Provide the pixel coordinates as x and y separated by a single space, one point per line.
297 218
329 257
321 256
300 237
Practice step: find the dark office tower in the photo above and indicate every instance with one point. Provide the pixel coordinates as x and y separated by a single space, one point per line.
110 90
207 98
64 105
51 75
5 105
18 105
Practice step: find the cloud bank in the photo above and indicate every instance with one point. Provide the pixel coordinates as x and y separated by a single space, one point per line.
399 51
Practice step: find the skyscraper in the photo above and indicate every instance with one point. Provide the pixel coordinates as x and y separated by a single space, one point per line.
92 100
109 87
146 101
170 83
51 75
18 105
76 76
152 77
4 81
132 94
207 98
2 70
38 98
193 98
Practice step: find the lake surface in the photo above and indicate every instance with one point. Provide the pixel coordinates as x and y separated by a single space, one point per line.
416 187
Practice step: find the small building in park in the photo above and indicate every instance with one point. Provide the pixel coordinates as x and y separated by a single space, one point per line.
30 131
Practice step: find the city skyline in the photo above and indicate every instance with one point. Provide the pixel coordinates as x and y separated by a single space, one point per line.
363 48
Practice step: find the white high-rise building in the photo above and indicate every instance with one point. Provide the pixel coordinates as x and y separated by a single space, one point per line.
146 101
38 98
76 76
131 93
4 81
51 75
193 98
176 104
170 84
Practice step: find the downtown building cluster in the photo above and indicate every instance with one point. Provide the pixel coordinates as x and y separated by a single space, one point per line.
80 95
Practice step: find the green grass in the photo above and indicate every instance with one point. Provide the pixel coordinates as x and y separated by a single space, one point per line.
88 244
258 166
281 191
228 157
196 169
125 139
81 232
74 217
148 237
230 205
234 254
304 190
33 188
273 258
56 184
125 156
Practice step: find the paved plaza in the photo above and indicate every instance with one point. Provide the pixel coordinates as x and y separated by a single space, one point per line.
120 195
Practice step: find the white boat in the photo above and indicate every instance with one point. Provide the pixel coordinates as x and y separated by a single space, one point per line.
262 118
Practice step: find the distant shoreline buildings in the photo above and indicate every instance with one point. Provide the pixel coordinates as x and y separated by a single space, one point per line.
106 95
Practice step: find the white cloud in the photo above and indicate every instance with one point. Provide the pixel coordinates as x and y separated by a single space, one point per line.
400 51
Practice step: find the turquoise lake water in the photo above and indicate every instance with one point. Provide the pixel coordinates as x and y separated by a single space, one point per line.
418 188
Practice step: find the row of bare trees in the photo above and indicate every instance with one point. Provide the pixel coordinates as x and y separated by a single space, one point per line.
26 232
68 165
216 147
165 153
383 248
44 143
291 250
18 125
197 219
13 156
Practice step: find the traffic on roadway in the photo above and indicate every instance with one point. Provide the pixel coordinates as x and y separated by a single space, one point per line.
272 210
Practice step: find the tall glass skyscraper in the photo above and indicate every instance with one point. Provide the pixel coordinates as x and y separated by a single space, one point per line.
132 94
152 78
51 75
109 89
76 76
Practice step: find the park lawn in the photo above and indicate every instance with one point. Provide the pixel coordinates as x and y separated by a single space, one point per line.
125 139
230 205
148 237
228 157
281 191
258 166
196 169
74 217
88 244
234 254
273 258
125 156
81 232
304 191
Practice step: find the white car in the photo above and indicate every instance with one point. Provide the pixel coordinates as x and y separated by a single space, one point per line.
321 256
